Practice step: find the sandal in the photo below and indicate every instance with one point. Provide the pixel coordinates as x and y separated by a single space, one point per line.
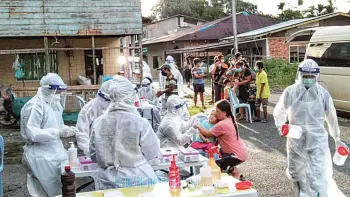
241 178
256 120
264 121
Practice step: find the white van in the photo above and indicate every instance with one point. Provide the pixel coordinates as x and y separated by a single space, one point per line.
330 48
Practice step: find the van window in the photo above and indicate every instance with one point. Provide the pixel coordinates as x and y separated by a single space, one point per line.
330 54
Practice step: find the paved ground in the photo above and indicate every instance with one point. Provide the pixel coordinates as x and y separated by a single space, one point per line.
265 167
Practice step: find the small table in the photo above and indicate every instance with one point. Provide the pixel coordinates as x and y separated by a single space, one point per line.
162 190
162 166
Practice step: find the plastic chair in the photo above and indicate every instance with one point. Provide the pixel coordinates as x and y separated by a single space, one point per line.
236 105
2 163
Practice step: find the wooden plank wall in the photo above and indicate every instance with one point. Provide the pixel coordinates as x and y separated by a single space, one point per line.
69 17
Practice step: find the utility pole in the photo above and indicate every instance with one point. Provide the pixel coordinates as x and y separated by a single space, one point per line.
234 25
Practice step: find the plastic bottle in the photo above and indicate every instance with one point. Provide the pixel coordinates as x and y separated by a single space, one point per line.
174 175
291 131
340 155
68 183
137 100
72 155
206 175
216 170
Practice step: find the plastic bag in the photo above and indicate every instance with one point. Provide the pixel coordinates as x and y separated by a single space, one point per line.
84 81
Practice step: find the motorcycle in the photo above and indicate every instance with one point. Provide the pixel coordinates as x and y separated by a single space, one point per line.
7 116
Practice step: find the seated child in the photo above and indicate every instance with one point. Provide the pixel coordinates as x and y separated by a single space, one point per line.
252 97
201 142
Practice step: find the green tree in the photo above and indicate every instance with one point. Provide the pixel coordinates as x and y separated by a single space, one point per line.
241 6
281 6
310 12
201 9
290 14
330 8
320 9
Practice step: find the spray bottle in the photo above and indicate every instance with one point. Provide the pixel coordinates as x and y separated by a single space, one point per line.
72 155
174 175
216 170
206 174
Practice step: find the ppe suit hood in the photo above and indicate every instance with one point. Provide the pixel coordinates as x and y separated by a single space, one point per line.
122 95
50 79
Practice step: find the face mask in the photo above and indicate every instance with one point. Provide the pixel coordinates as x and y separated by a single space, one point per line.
256 69
164 73
308 82
239 70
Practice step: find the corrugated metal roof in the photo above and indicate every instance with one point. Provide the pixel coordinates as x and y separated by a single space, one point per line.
282 26
69 17
218 29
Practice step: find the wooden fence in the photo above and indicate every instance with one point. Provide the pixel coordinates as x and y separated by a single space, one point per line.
85 91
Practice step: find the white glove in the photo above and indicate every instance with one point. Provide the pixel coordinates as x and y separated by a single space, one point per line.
196 123
67 131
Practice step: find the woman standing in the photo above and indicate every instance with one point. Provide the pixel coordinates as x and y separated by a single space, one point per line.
187 72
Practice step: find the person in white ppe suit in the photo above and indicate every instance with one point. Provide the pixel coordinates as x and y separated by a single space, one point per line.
152 111
173 131
91 111
148 91
178 76
122 142
41 128
307 104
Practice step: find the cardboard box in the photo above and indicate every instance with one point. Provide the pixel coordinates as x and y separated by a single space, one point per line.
86 164
167 154
188 155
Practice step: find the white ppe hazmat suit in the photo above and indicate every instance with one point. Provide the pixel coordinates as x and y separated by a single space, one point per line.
122 142
309 158
90 112
173 131
152 111
147 91
41 127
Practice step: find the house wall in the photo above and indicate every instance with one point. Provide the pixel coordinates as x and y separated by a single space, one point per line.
279 49
110 56
69 18
158 50
167 26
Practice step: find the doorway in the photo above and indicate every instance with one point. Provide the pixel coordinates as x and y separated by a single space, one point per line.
89 71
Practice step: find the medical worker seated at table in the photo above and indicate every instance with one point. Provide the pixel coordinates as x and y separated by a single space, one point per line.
149 94
41 128
173 131
307 104
122 142
90 112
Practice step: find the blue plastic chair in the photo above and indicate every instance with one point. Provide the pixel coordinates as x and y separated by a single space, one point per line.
2 163
236 105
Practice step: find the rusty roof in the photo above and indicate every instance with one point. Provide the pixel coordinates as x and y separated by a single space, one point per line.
218 29
69 17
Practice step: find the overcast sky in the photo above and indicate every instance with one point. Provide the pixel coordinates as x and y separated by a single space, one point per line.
266 6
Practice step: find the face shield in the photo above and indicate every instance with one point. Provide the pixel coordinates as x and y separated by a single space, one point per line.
308 73
103 95
146 84
58 94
